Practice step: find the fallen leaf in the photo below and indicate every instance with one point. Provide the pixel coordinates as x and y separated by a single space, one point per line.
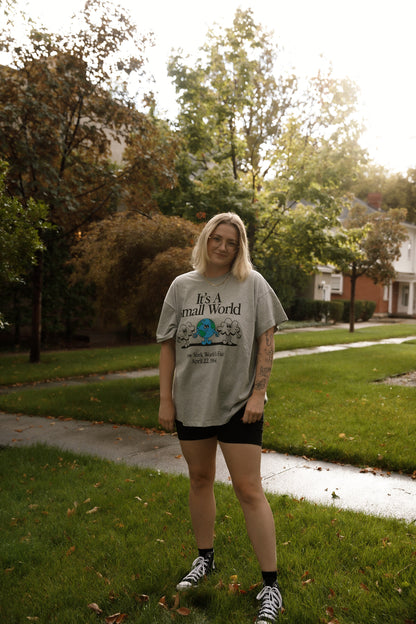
234 588
183 611
94 606
162 602
364 587
116 618
142 598
93 510
70 551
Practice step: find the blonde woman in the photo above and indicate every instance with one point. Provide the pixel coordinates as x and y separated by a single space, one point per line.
213 389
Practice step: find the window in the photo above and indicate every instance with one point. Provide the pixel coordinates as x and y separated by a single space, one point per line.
405 295
336 283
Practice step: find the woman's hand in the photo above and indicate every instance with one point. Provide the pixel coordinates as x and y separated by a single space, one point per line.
254 408
167 415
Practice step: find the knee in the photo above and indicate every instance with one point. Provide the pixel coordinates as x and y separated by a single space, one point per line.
249 493
201 481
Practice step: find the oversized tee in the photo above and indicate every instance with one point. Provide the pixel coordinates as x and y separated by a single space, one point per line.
215 325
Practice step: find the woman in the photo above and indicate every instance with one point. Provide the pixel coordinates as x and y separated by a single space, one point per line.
216 333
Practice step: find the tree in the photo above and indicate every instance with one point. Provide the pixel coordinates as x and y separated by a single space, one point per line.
284 143
131 259
394 190
232 106
64 107
367 243
20 237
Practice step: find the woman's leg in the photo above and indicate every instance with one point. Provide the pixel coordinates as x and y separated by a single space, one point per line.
200 456
243 462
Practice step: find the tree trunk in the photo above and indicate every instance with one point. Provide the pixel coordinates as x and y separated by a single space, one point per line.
352 299
37 309
17 319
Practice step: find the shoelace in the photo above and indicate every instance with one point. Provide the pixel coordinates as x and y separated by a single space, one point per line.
271 603
199 569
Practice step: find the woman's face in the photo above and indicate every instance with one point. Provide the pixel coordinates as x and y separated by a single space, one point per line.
222 247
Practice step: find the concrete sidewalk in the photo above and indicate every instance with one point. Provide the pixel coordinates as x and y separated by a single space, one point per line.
345 487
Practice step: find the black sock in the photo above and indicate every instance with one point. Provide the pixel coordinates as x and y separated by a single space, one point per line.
269 578
207 553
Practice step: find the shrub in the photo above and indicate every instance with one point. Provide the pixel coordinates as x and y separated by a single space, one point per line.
363 310
307 309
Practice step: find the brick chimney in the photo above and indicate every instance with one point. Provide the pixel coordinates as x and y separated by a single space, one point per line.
374 200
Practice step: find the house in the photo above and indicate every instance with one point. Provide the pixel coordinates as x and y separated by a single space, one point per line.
398 298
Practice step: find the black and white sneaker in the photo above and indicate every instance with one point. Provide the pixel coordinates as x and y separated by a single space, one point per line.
201 567
271 604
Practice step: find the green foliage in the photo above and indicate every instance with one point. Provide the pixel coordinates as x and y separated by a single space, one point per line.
232 106
394 190
306 309
21 232
366 243
363 310
205 189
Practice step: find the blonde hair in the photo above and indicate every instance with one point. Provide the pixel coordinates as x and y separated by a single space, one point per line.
241 265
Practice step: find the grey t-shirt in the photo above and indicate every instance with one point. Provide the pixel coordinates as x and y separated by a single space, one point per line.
215 325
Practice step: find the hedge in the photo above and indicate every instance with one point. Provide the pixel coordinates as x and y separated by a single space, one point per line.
304 309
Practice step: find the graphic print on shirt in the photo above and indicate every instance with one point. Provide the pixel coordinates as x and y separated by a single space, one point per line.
206 329
225 331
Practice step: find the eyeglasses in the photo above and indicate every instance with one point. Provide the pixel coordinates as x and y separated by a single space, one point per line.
230 245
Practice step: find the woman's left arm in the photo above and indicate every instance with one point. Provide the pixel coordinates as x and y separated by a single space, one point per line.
255 405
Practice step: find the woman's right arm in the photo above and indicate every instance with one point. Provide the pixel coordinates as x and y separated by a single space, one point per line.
166 370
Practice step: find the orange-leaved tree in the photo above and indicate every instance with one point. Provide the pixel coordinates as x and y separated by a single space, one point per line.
131 258
66 110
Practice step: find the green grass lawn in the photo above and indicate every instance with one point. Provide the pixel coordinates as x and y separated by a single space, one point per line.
328 406
325 406
16 369
76 531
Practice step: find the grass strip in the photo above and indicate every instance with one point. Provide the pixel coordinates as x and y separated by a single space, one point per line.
330 407
316 338
16 369
76 530
325 406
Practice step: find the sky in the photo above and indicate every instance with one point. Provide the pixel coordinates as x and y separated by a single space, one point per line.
370 41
